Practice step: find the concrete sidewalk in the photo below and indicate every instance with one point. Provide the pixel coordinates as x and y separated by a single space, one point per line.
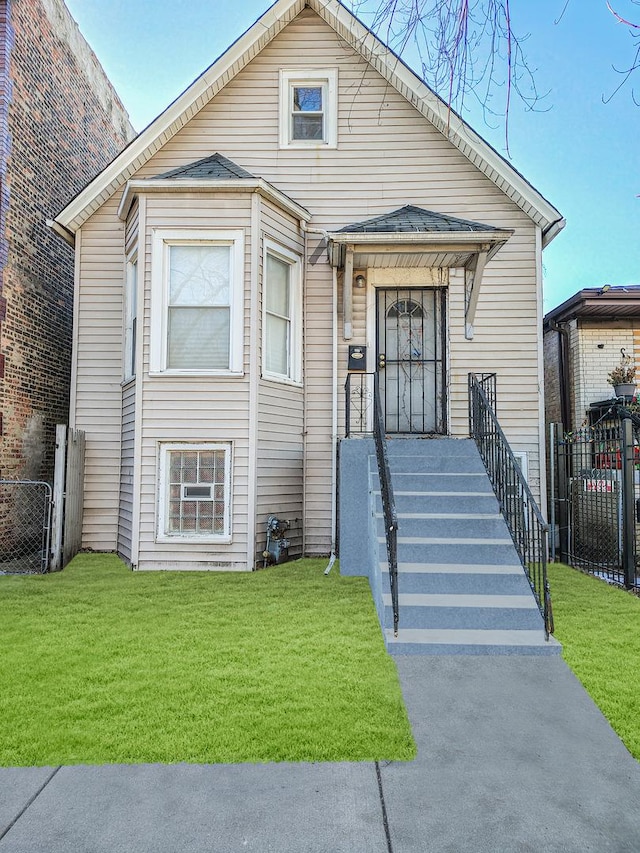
512 756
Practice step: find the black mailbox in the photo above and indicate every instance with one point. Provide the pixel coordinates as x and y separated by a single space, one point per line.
357 358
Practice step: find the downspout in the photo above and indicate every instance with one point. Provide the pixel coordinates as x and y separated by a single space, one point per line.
563 373
334 396
334 420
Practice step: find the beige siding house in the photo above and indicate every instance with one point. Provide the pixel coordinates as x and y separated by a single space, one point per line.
307 194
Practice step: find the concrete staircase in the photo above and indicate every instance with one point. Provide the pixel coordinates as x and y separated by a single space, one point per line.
462 588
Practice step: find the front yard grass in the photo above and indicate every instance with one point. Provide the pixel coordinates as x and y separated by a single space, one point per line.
100 665
599 628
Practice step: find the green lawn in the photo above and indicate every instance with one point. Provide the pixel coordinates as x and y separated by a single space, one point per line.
599 628
100 664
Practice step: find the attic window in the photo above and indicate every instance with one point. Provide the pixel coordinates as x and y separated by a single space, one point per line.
308 108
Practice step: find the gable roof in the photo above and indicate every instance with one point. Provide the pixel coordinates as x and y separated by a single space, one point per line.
411 218
364 42
217 166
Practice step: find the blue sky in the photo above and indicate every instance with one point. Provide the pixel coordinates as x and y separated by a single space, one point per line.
579 152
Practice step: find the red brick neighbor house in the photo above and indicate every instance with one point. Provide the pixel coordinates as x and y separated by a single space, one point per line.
60 123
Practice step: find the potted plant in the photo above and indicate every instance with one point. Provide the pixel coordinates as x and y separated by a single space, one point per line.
622 377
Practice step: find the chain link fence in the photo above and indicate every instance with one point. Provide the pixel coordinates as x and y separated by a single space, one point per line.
25 526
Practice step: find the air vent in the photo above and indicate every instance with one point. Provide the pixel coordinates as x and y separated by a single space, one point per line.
196 493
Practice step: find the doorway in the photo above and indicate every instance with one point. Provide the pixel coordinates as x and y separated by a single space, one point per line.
410 361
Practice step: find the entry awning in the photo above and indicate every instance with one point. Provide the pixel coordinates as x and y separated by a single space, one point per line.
414 237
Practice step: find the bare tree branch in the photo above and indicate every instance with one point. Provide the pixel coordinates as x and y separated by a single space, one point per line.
467 48
470 48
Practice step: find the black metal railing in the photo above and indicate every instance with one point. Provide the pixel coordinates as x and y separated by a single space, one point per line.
363 414
529 531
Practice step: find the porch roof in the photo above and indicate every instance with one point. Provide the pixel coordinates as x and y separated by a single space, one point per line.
412 218
414 237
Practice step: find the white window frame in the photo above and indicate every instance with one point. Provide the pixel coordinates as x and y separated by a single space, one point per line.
164 449
130 325
327 78
161 241
294 373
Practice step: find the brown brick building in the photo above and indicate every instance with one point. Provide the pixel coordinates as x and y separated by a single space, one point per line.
60 123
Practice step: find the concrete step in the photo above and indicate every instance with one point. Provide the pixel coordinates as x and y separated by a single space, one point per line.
454 526
456 502
499 551
472 612
436 464
442 579
438 447
438 641
429 482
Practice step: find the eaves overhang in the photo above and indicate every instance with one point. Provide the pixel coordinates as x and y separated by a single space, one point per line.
457 246
597 303
146 186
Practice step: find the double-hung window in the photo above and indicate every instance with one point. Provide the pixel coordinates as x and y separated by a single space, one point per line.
308 108
282 343
196 313
194 493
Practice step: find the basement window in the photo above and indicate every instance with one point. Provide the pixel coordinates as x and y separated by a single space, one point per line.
194 493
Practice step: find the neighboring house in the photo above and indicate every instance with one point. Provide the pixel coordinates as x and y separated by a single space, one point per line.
584 339
60 123
308 193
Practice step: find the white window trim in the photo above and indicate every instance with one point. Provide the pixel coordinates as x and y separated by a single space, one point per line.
328 79
295 310
164 448
161 240
130 310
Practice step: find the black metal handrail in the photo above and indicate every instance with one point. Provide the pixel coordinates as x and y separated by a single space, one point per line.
529 531
388 501
357 392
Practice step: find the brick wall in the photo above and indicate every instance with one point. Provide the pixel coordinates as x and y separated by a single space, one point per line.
597 353
552 407
60 124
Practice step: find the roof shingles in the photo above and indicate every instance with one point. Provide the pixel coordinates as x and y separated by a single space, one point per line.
411 218
216 167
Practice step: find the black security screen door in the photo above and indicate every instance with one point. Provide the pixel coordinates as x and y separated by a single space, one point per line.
410 359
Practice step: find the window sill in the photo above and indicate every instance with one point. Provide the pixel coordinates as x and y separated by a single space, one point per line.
282 380
196 374
193 540
301 143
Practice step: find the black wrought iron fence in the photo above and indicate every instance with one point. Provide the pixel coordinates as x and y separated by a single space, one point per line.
596 497
528 529
25 526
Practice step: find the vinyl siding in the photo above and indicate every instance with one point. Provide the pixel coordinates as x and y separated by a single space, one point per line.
388 155
190 408
125 516
279 477
98 375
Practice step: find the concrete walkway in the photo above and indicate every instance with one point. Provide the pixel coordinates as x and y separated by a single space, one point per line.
513 756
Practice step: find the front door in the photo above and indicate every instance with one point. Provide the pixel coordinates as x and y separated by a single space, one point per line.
410 359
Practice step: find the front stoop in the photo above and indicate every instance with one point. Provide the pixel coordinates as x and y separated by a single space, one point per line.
462 589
